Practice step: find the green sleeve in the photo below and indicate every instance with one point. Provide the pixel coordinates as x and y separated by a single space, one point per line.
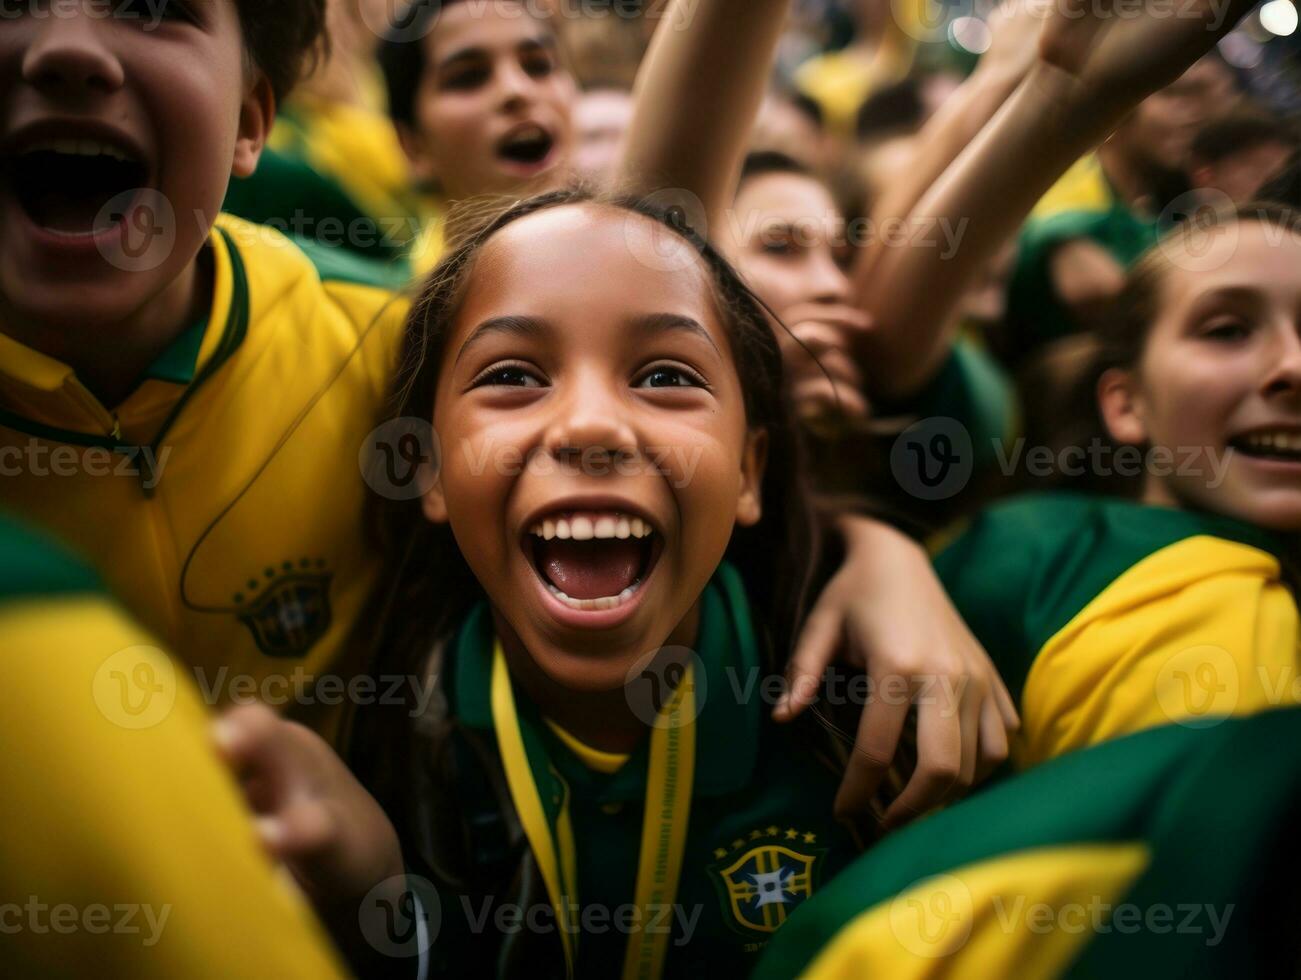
1212 807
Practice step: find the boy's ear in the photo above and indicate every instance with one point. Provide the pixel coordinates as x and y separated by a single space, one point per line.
420 165
256 114
1121 407
749 505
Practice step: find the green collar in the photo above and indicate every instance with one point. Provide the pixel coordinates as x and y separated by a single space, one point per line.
180 362
727 726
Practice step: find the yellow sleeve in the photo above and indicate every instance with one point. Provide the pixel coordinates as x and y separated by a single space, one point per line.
125 847
1195 632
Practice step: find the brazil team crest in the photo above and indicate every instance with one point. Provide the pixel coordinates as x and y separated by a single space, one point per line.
765 876
292 613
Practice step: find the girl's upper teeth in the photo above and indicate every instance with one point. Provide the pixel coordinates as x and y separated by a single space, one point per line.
586 527
1275 440
81 148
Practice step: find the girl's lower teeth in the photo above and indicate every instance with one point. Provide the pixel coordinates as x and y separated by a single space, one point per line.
604 602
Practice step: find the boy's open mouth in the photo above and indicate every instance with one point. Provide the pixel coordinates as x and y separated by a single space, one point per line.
527 145
66 185
1276 444
593 560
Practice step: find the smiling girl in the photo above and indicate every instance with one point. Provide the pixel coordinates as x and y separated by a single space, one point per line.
1177 605
618 474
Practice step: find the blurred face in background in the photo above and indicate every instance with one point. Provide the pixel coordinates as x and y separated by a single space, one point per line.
786 128
1158 135
495 103
601 121
787 237
1242 174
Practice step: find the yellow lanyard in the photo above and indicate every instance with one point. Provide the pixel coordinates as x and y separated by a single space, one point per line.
664 824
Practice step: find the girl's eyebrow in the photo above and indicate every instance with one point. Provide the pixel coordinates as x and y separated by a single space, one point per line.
519 326
1236 295
528 326
664 322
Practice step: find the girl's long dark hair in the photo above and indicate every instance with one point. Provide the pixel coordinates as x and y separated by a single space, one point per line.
425 588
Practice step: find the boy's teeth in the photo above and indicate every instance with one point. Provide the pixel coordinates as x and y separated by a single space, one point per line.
600 527
604 602
81 148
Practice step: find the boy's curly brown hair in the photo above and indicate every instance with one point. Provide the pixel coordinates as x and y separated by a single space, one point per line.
283 39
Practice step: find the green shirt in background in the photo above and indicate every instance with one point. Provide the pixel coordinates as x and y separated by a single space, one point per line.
1084 205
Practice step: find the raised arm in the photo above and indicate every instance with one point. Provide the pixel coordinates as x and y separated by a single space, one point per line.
1015 27
1094 65
697 96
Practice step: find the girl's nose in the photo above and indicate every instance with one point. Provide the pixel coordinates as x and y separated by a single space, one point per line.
1284 377
591 425
70 57
829 281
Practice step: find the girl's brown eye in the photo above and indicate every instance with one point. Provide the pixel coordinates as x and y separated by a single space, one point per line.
783 249
668 376
508 376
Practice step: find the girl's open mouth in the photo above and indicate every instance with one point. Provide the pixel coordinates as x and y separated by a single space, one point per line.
66 186
594 560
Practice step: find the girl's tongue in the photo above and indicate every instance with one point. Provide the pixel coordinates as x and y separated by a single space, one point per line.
590 569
